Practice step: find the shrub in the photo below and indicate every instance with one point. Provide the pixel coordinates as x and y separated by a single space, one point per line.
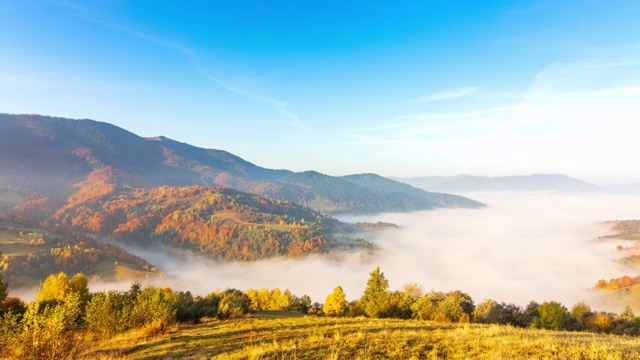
192 309
48 329
152 305
551 316
424 309
488 312
233 303
109 312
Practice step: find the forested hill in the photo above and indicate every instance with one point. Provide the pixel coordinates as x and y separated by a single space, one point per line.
407 192
43 158
535 182
218 222
31 252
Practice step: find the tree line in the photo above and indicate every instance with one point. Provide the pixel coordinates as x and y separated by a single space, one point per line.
64 310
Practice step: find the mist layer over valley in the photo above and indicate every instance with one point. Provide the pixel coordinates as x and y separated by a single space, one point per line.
521 247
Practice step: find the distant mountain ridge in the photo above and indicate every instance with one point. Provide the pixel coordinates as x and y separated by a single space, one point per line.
535 182
43 158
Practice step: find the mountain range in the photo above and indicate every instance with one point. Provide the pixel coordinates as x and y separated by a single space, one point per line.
47 157
97 181
535 182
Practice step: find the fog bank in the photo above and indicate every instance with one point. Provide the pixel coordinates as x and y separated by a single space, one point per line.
521 247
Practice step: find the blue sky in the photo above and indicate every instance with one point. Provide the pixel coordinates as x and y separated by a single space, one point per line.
409 88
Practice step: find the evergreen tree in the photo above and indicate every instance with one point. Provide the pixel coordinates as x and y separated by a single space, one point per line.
375 299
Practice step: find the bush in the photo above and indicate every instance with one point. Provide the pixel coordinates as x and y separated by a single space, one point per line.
488 312
114 311
10 328
192 309
48 329
150 306
453 306
424 309
456 306
233 303
109 312
301 304
551 316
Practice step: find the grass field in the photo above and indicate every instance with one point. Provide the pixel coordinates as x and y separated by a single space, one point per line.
13 244
276 336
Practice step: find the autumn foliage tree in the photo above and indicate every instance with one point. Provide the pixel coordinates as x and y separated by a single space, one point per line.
336 303
49 324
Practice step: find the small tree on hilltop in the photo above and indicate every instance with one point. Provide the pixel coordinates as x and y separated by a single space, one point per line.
375 299
336 303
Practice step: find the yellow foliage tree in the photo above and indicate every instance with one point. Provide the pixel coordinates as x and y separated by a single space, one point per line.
336 303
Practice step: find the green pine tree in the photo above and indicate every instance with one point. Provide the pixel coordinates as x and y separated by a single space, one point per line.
375 300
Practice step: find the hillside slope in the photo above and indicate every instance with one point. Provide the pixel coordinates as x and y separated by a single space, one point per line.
42 158
535 182
361 338
218 222
406 192
32 252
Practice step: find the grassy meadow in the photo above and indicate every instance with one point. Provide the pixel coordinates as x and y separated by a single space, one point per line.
280 336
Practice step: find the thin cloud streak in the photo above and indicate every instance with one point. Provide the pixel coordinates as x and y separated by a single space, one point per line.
79 12
416 128
445 95
279 106
470 115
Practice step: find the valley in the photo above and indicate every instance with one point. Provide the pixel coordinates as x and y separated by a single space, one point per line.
319 180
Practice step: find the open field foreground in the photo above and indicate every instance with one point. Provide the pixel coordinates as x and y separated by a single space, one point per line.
358 338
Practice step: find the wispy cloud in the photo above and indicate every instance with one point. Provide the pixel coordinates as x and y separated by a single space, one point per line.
79 11
415 130
278 105
572 96
445 95
469 115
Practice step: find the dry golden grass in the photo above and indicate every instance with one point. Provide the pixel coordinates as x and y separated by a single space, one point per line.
328 338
